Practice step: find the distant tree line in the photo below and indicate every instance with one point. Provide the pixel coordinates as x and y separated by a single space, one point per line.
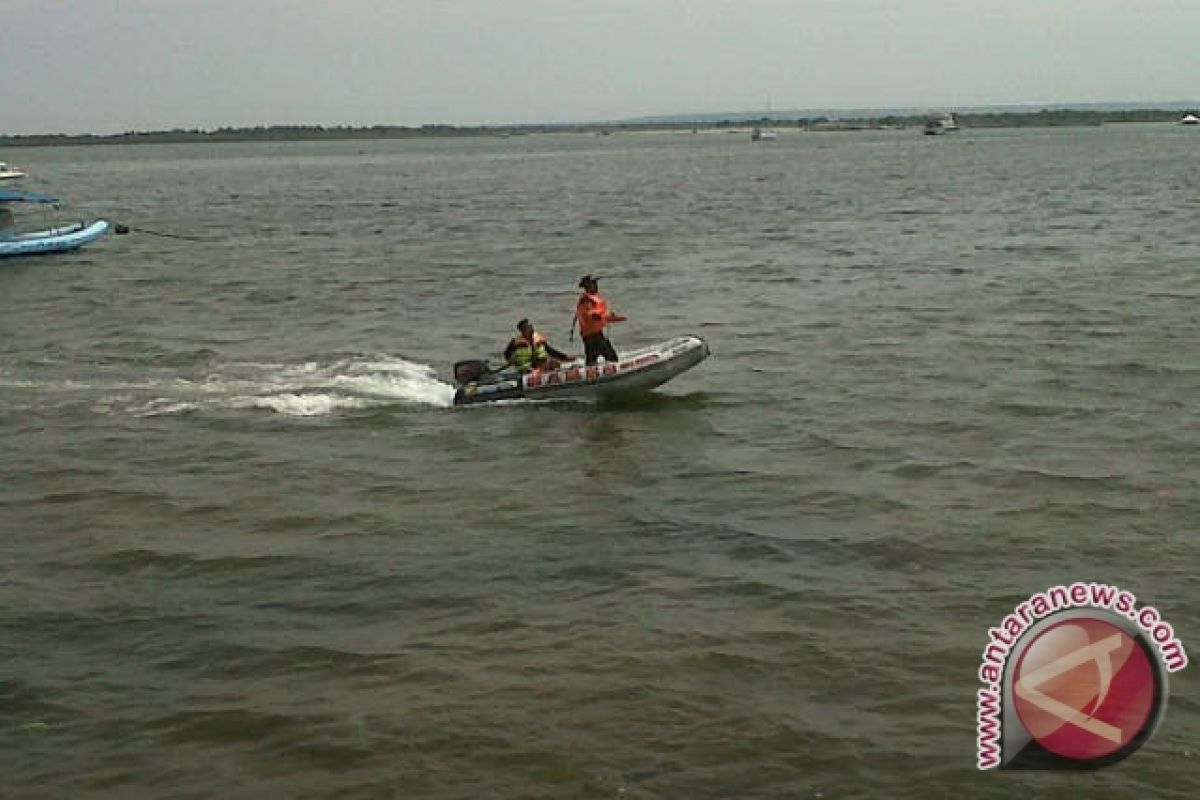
293 133
271 133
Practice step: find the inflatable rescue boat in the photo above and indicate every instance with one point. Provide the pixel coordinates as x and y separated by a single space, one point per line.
636 371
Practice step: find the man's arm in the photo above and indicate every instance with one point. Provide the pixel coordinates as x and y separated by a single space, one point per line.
553 353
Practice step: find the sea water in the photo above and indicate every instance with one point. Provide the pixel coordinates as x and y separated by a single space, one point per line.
250 549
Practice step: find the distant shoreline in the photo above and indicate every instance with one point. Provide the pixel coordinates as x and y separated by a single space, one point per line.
294 133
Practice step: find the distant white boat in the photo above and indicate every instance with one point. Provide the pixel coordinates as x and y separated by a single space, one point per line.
947 124
1190 119
8 171
762 134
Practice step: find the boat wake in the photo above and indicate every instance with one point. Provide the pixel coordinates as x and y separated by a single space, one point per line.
314 388
308 389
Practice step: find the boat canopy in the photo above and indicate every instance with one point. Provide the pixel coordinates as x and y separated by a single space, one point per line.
10 196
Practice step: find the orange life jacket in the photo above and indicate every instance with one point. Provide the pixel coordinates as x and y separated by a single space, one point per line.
592 313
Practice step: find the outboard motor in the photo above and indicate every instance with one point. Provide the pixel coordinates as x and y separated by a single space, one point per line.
472 370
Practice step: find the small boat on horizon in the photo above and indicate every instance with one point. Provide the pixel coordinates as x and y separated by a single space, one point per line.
947 124
1190 119
8 172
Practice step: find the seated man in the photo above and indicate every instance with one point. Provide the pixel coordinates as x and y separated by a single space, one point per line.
531 351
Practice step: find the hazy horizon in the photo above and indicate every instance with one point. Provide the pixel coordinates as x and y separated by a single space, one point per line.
700 117
111 66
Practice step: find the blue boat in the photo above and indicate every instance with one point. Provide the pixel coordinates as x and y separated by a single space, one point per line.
50 240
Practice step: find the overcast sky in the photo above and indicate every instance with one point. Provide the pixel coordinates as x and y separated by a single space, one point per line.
103 66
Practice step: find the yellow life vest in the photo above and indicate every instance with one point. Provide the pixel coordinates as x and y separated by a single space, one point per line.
526 355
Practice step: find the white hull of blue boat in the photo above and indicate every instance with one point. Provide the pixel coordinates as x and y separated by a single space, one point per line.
53 240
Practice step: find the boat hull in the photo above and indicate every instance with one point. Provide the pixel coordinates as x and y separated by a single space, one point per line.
636 372
53 240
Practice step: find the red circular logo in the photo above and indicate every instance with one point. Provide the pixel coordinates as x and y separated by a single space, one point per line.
1084 688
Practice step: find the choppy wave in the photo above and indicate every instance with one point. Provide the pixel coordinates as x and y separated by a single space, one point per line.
238 535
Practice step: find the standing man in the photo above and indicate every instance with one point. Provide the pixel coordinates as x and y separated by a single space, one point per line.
593 315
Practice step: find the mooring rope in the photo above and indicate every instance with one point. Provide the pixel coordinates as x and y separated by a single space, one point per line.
121 230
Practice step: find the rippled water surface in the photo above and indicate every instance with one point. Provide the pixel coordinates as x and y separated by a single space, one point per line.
250 550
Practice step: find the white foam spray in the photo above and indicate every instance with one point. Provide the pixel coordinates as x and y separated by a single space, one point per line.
306 389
